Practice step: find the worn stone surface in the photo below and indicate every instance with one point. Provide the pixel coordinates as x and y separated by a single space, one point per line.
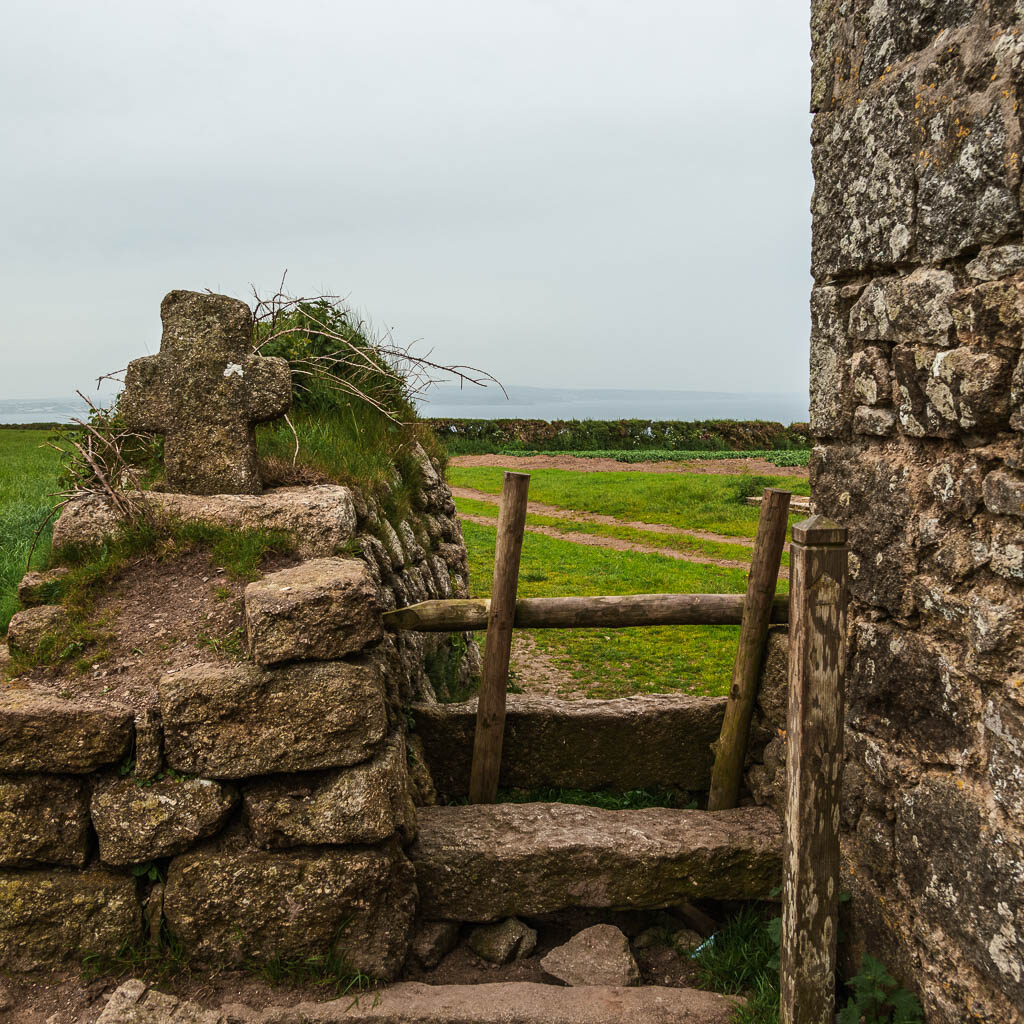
235 720
599 955
44 819
41 732
231 901
54 915
503 942
485 862
629 743
30 627
321 609
367 803
41 587
416 1003
205 391
141 821
433 941
320 519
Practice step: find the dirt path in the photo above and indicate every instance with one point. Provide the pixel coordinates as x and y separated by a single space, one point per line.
733 467
538 508
537 673
617 544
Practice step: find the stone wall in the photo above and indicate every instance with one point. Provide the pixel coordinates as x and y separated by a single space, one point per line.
917 404
253 808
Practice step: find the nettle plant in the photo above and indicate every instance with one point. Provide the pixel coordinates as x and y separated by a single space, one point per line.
878 998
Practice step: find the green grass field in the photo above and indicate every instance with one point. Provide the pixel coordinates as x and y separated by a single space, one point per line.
28 478
619 662
696 501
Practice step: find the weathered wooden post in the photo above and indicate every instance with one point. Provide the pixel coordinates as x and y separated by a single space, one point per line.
814 748
746 670
490 715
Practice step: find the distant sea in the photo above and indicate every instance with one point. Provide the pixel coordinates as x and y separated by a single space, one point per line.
449 401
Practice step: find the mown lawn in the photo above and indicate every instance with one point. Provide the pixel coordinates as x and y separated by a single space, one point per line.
697 501
29 474
617 663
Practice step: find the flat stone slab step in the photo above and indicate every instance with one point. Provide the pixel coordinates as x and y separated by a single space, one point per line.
627 743
415 1003
489 861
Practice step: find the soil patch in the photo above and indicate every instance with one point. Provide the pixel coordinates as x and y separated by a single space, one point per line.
583 464
537 673
158 615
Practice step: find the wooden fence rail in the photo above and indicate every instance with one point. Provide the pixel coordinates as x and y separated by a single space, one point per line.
613 612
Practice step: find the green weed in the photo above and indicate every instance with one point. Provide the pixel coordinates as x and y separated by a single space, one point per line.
329 971
878 998
743 959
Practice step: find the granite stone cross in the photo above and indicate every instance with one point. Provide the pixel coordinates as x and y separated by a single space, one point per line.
205 391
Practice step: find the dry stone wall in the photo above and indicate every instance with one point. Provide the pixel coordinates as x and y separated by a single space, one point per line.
258 808
917 404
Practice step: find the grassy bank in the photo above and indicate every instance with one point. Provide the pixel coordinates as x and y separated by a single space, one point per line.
29 474
789 457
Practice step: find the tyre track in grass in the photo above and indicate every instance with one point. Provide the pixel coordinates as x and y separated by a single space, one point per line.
616 543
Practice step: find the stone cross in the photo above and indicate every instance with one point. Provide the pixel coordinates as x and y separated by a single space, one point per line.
205 391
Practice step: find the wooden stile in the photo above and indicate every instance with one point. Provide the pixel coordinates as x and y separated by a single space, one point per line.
490 718
612 612
757 613
814 749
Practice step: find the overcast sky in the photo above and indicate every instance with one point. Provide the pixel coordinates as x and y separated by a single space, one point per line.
587 193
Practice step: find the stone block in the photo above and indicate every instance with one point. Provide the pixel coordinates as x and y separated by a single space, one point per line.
874 421
992 313
999 261
44 819
965 875
956 483
41 587
1006 549
876 491
321 609
229 901
503 942
1003 491
367 803
137 822
41 732
863 203
970 388
1004 737
599 955
484 862
433 941
51 916
31 627
629 743
966 181
916 309
906 687
320 518
235 720
872 378
831 405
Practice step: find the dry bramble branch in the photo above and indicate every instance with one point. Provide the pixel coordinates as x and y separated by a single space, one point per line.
96 462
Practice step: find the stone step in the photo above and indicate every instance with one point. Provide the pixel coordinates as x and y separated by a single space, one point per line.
622 744
489 861
415 1003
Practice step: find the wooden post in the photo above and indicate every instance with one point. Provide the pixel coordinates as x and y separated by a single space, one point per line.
814 749
490 715
746 671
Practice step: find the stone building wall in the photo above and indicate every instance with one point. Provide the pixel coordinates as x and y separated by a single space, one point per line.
917 405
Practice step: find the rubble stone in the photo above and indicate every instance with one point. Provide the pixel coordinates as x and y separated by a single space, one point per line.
599 955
